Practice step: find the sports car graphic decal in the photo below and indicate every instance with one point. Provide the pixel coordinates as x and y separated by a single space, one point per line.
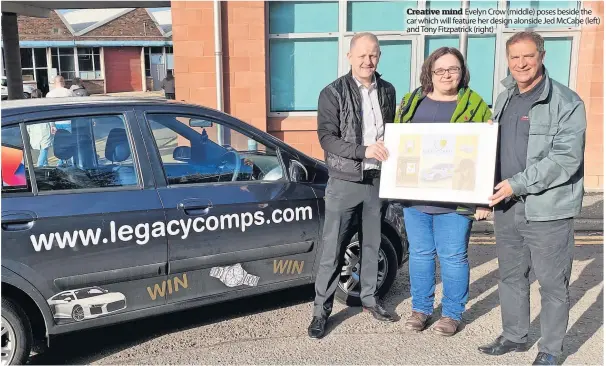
86 303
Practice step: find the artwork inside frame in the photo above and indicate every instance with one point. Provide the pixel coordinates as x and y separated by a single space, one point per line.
440 162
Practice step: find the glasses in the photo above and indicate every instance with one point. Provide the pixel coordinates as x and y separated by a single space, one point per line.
451 70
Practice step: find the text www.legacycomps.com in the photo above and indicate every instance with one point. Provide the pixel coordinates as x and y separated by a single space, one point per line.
143 232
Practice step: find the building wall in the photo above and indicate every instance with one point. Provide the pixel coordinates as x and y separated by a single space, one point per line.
590 86
245 70
41 29
243 57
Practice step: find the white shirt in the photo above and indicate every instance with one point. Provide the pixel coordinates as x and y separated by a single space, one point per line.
60 92
40 136
372 120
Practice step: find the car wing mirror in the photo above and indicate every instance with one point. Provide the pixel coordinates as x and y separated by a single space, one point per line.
182 153
298 172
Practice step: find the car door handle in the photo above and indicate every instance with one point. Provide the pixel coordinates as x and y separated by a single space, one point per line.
195 207
17 221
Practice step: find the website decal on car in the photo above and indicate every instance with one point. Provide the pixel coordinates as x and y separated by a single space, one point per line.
143 232
86 303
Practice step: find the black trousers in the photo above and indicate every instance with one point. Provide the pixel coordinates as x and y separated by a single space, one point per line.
343 199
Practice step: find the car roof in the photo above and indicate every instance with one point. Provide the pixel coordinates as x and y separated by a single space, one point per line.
20 106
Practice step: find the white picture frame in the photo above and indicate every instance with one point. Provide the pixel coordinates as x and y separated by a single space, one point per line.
440 162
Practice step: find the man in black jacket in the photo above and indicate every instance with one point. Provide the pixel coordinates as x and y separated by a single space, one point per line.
352 112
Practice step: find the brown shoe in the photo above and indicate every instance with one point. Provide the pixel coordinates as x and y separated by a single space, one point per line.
446 326
416 321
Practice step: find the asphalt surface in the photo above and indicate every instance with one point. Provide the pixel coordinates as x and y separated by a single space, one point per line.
272 329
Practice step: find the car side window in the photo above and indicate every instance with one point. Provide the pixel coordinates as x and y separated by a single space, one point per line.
192 152
15 175
81 153
66 296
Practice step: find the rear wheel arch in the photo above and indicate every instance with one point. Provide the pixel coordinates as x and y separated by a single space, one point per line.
394 238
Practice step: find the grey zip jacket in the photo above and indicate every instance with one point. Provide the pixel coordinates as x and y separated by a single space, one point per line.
552 183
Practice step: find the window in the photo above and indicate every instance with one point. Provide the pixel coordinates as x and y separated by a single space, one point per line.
27 64
89 63
64 297
393 15
15 176
303 53
306 37
81 153
63 61
196 150
558 53
89 292
541 5
296 84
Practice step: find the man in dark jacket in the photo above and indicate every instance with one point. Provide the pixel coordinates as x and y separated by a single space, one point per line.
78 89
352 112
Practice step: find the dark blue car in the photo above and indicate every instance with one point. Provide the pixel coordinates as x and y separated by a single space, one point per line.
116 209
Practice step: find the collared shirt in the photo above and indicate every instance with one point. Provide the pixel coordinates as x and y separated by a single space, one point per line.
515 126
372 120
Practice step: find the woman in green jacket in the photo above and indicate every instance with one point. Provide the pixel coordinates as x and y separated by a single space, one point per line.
438 227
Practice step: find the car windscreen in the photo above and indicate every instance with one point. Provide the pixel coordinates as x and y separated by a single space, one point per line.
89 292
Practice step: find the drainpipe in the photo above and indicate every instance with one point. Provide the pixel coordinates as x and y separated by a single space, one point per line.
463 40
218 64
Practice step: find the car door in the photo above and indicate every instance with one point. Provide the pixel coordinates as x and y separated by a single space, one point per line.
78 213
236 221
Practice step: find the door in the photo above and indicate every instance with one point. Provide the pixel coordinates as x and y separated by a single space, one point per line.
83 220
236 220
123 69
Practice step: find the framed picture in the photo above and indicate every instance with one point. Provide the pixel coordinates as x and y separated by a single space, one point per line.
440 162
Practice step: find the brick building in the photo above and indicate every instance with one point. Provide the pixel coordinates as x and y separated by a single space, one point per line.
112 50
278 55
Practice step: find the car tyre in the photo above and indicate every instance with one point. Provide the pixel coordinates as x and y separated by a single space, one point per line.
17 330
387 259
78 313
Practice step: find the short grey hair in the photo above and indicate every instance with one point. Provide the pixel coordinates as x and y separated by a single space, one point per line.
362 35
527 35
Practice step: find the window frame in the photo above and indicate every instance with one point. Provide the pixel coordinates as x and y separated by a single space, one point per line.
96 68
74 54
54 118
242 131
501 32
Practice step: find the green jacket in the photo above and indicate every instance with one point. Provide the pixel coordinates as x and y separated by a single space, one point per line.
552 183
470 108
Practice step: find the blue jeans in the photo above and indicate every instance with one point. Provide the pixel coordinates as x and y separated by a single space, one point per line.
446 235
43 157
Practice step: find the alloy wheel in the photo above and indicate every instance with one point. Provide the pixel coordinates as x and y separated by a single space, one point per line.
350 272
8 342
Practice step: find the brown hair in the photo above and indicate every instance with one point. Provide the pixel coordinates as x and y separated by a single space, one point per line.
526 35
426 70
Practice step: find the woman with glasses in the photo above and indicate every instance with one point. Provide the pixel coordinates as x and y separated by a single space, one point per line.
438 227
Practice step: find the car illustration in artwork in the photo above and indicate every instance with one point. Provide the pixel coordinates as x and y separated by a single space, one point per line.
86 303
438 172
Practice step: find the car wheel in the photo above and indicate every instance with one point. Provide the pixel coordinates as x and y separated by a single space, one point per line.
348 289
26 95
78 313
16 334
